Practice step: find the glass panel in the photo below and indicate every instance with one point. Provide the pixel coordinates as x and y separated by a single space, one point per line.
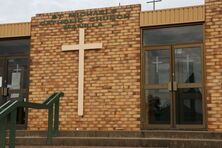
157 66
188 66
158 102
173 35
189 106
17 83
15 46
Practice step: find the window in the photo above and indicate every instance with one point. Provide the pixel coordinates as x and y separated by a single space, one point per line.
14 46
173 35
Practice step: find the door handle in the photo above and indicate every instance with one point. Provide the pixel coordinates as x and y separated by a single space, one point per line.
2 91
170 86
5 91
174 86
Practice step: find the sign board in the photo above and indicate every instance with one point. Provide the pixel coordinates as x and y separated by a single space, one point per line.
0 81
16 79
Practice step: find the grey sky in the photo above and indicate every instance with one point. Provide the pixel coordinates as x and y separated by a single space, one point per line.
22 10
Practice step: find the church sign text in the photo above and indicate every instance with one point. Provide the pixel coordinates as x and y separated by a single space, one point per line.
85 19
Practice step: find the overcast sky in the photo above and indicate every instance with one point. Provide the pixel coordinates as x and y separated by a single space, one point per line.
22 10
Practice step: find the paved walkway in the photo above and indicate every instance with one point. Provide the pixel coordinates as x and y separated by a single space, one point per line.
75 147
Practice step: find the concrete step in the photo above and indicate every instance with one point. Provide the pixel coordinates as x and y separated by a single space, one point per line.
121 141
76 147
151 138
139 134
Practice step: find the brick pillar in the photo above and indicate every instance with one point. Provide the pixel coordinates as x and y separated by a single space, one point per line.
213 59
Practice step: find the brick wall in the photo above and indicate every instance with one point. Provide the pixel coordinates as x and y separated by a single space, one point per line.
213 57
112 74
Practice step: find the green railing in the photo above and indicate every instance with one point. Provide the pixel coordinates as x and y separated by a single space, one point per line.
9 111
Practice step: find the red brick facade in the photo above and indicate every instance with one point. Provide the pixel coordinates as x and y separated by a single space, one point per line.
213 59
112 74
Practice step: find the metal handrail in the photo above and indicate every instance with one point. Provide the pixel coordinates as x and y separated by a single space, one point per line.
7 103
49 98
9 109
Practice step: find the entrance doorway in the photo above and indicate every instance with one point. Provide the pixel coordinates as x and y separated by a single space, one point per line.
172 77
14 74
174 86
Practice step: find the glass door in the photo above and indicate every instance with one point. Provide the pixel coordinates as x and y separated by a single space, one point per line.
188 86
173 87
14 80
157 86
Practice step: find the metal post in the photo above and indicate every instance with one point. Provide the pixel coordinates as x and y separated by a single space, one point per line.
50 124
12 128
3 132
154 3
56 118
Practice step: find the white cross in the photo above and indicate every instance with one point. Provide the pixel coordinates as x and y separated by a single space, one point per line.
17 68
157 62
81 47
188 60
